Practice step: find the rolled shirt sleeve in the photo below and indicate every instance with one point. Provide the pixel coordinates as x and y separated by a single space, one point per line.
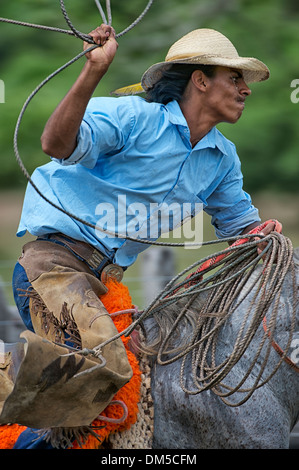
100 133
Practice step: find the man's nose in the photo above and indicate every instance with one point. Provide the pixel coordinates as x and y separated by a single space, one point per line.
244 89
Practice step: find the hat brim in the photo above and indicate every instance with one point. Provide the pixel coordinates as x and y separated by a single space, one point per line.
253 69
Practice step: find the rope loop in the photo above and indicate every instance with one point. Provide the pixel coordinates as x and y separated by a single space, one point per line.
224 291
78 34
87 38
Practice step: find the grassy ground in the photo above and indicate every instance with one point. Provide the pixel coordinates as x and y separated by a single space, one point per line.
282 207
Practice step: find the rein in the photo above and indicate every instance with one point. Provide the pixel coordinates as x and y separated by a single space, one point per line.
278 349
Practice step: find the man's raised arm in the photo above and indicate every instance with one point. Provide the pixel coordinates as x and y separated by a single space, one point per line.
60 132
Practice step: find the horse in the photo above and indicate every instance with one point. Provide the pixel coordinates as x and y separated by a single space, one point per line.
189 417
198 402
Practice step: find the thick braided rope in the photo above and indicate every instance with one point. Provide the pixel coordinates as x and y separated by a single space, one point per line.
226 294
37 26
209 375
73 31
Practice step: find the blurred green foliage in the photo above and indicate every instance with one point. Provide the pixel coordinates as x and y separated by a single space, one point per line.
266 137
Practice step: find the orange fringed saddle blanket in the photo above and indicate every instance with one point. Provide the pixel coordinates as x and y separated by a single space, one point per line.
117 298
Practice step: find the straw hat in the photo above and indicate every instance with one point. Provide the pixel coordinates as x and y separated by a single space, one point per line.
206 47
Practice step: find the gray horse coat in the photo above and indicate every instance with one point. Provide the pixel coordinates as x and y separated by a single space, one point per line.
203 421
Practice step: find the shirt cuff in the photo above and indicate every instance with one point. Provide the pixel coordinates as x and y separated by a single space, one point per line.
83 152
236 226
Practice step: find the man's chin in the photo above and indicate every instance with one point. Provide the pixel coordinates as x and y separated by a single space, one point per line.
234 120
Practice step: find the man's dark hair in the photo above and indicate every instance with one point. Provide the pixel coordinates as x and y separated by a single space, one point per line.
174 81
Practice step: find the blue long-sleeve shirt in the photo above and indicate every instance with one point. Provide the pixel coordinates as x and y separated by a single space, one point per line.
132 159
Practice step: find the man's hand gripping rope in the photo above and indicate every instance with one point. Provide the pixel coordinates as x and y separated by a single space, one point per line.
262 230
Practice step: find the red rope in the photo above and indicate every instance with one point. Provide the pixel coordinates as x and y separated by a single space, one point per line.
215 259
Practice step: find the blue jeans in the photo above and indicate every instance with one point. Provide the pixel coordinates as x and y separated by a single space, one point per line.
28 439
20 281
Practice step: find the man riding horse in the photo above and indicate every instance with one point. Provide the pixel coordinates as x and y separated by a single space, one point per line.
153 151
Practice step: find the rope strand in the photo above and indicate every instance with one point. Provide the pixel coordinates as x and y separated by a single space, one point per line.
102 13
38 26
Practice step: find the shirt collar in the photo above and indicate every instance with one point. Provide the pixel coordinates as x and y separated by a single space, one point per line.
212 139
175 114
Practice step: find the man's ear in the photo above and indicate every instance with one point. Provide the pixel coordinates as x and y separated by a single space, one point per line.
199 80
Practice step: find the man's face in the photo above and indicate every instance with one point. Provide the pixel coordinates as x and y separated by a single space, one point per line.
226 95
